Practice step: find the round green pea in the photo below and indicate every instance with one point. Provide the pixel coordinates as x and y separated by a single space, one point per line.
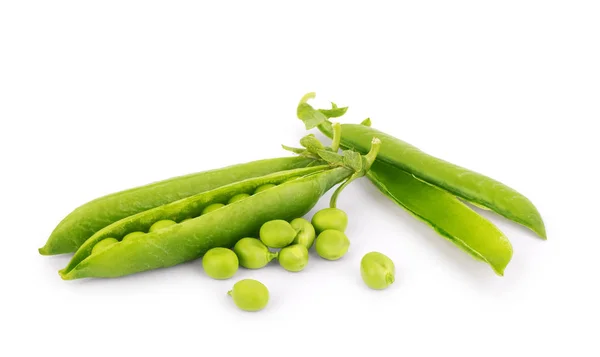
252 253
264 187
212 207
220 263
238 197
103 245
277 233
132 235
293 257
249 295
161 224
305 232
332 244
377 270
330 218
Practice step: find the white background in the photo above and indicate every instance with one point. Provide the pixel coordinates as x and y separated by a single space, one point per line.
96 97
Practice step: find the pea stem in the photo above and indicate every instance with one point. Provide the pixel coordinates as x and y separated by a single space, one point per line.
333 201
372 154
337 137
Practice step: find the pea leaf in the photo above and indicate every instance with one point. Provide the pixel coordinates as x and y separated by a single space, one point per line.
309 115
353 160
294 150
330 156
334 112
311 143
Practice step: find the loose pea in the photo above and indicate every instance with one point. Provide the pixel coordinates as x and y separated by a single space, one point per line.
133 235
252 253
220 263
305 232
238 197
161 224
249 295
277 233
332 244
330 218
212 207
293 257
377 270
103 244
264 187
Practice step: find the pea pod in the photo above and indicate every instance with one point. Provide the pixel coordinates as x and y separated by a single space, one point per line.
221 228
90 217
471 186
446 214
189 207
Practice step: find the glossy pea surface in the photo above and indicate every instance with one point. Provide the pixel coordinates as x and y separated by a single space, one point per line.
220 263
252 253
212 207
277 233
377 270
238 197
332 244
305 232
293 258
161 224
250 295
103 244
263 188
330 218
133 235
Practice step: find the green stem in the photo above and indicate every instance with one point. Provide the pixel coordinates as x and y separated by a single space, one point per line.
337 137
372 154
333 201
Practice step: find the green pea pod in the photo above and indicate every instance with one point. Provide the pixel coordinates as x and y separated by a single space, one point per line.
87 219
471 186
220 228
446 214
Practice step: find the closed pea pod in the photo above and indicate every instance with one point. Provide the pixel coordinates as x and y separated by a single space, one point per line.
89 218
377 270
252 253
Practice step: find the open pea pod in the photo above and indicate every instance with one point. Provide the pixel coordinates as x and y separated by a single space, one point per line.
471 186
189 240
90 217
446 214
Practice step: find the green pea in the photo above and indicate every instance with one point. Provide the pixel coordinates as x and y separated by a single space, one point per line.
277 233
249 295
238 197
252 253
305 232
293 257
132 235
330 218
377 270
220 263
332 244
212 207
161 224
103 244
264 187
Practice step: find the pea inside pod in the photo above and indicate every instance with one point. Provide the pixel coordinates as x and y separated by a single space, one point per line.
238 197
377 270
264 188
161 225
103 245
212 207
